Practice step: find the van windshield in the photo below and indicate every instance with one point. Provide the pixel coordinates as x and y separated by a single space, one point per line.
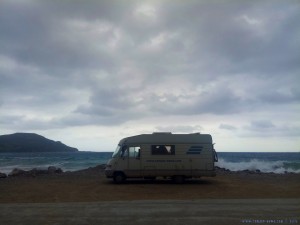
117 152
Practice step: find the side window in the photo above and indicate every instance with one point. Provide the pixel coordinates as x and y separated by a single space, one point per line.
134 151
163 149
124 151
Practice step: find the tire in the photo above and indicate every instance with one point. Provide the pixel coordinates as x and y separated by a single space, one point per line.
150 178
178 179
119 178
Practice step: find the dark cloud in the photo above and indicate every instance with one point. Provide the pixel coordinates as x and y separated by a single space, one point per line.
53 37
111 103
111 106
80 63
283 97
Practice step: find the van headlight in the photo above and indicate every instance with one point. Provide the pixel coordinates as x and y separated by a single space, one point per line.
108 167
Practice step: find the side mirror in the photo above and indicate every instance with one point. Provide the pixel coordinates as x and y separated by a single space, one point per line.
138 154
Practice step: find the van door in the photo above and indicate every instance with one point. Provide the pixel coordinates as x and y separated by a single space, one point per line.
134 162
121 163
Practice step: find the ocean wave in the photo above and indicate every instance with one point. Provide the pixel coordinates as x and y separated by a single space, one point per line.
279 167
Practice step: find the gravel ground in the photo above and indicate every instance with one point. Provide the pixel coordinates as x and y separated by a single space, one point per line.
175 212
87 197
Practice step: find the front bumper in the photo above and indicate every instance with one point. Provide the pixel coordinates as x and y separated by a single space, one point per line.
108 172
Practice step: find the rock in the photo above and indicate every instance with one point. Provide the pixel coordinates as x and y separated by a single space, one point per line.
35 172
16 172
101 166
53 169
251 171
94 171
222 170
2 175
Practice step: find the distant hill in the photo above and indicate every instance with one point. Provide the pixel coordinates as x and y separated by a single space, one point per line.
30 142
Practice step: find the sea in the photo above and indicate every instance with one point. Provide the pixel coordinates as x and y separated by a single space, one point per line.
276 162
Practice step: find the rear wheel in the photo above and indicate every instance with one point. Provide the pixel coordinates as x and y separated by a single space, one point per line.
178 179
119 178
149 178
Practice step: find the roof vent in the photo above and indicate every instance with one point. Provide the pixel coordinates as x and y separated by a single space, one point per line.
162 133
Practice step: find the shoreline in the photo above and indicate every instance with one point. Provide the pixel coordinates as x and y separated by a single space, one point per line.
16 172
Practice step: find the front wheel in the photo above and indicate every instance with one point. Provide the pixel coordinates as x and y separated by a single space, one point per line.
119 178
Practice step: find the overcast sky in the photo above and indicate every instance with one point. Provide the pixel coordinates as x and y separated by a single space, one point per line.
89 73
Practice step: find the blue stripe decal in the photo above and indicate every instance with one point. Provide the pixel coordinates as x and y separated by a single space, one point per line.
194 150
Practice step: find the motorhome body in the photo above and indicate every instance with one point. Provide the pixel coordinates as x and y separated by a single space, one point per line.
176 156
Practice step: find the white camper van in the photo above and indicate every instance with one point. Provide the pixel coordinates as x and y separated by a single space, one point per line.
175 156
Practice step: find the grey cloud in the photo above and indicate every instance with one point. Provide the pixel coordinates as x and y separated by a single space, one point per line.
10 120
261 124
227 127
100 62
40 36
241 37
112 106
221 101
32 91
130 104
266 128
291 131
179 129
215 101
23 123
107 101
225 42
276 97
78 120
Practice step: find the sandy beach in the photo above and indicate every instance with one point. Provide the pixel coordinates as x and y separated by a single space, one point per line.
88 197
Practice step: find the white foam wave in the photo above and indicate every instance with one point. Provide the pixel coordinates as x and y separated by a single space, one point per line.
254 164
